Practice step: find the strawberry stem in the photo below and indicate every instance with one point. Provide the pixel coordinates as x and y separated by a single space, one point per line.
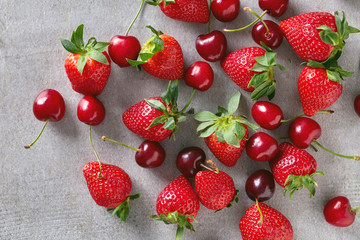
96 155
336 154
260 222
208 26
187 104
302 115
136 16
252 23
33 142
124 145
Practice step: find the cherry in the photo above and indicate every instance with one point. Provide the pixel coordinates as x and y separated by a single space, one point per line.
189 161
122 48
49 105
212 46
276 8
268 115
357 105
90 110
338 212
200 76
225 10
260 185
270 34
303 131
261 147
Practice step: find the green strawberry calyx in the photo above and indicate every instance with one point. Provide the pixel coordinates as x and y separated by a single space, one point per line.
175 218
263 81
228 128
93 49
122 211
295 182
157 2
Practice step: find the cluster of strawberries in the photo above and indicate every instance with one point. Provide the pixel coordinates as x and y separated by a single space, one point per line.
317 38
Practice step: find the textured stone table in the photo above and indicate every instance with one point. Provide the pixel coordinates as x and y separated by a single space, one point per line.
43 194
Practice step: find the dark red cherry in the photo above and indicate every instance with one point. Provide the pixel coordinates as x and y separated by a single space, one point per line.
303 131
151 154
189 161
200 76
276 8
91 111
261 147
268 115
212 46
123 47
49 104
357 105
260 185
225 10
272 39
338 212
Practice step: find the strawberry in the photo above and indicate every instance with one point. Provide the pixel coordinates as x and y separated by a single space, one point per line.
161 56
252 69
177 204
223 133
110 187
316 36
184 10
294 168
215 189
262 222
87 67
155 118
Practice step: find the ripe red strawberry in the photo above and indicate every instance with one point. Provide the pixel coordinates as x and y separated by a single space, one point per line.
273 225
109 187
294 168
161 56
216 189
252 69
87 67
177 204
316 90
223 133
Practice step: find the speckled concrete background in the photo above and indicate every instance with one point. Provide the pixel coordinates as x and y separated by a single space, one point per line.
43 194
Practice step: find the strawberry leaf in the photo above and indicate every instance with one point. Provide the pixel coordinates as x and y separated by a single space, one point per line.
208 131
98 56
239 130
122 211
260 91
81 63
159 120
156 104
234 103
69 46
246 122
101 46
220 136
333 76
257 79
230 137
170 123
222 111
205 116
295 182
78 36
204 125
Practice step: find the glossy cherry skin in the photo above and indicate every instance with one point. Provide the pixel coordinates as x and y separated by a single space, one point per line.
212 46
272 39
268 115
189 161
260 185
200 76
357 105
303 131
276 8
225 10
91 110
151 154
49 104
261 147
338 212
123 47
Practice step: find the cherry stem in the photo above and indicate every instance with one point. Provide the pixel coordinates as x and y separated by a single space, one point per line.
252 23
136 16
313 147
356 210
261 215
124 145
96 155
42 129
281 138
188 103
302 115
336 154
212 166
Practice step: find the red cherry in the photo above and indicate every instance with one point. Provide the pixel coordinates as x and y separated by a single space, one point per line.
260 185
261 147
357 105
225 10
189 161
212 46
338 212
303 131
200 76
91 111
268 115
151 154
276 8
122 48
272 39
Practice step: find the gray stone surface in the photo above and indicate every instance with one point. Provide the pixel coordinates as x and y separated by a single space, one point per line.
43 194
